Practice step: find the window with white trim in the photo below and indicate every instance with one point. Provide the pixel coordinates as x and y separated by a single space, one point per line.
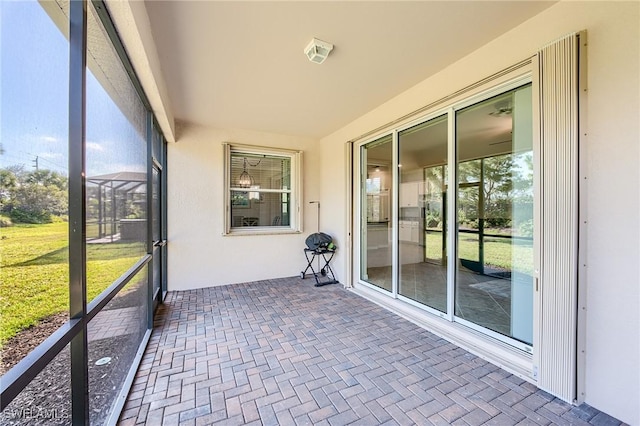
262 190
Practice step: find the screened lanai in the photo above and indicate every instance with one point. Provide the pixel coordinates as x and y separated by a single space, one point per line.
100 83
116 207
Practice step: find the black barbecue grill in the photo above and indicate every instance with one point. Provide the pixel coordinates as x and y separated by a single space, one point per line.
320 246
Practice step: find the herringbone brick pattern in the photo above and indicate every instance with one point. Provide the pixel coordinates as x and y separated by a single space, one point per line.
285 352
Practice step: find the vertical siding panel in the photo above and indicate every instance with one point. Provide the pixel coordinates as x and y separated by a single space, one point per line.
558 70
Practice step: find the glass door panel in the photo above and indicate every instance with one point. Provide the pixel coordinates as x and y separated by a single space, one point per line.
469 222
435 221
422 158
494 283
156 234
377 193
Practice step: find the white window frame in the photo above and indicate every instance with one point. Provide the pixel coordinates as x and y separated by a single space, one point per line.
295 192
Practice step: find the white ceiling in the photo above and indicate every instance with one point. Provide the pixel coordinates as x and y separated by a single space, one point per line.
241 64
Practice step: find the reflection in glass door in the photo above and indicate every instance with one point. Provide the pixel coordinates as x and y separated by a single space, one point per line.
494 283
435 215
422 158
460 241
470 248
375 217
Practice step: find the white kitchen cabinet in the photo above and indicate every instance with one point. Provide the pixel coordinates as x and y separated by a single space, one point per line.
404 230
409 194
415 231
378 235
409 231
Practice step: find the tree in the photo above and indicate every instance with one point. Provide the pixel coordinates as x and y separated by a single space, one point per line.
499 175
8 184
33 197
498 187
47 178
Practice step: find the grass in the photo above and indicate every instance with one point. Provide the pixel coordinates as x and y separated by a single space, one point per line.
35 273
501 253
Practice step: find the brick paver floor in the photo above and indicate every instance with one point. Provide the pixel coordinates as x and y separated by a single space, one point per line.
286 352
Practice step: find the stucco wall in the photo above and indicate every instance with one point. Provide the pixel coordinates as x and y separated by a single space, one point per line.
613 159
199 255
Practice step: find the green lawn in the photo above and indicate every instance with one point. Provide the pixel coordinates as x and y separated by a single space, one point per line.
502 253
35 273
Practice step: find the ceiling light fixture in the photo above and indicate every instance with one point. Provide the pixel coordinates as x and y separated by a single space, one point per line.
245 180
502 109
318 50
501 112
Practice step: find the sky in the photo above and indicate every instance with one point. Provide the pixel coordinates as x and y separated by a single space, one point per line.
34 93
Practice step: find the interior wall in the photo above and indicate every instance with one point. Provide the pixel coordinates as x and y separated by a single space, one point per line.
612 148
199 255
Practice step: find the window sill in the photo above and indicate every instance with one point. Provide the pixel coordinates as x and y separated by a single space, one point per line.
237 232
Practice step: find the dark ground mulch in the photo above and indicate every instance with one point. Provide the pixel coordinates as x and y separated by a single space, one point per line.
16 348
47 399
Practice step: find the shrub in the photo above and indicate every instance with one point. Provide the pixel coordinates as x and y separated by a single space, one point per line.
432 220
25 216
526 228
5 222
498 222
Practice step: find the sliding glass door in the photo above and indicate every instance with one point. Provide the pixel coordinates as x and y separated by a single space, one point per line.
375 217
422 159
468 259
494 283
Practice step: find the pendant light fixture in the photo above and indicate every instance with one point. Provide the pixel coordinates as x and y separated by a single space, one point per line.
245 180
